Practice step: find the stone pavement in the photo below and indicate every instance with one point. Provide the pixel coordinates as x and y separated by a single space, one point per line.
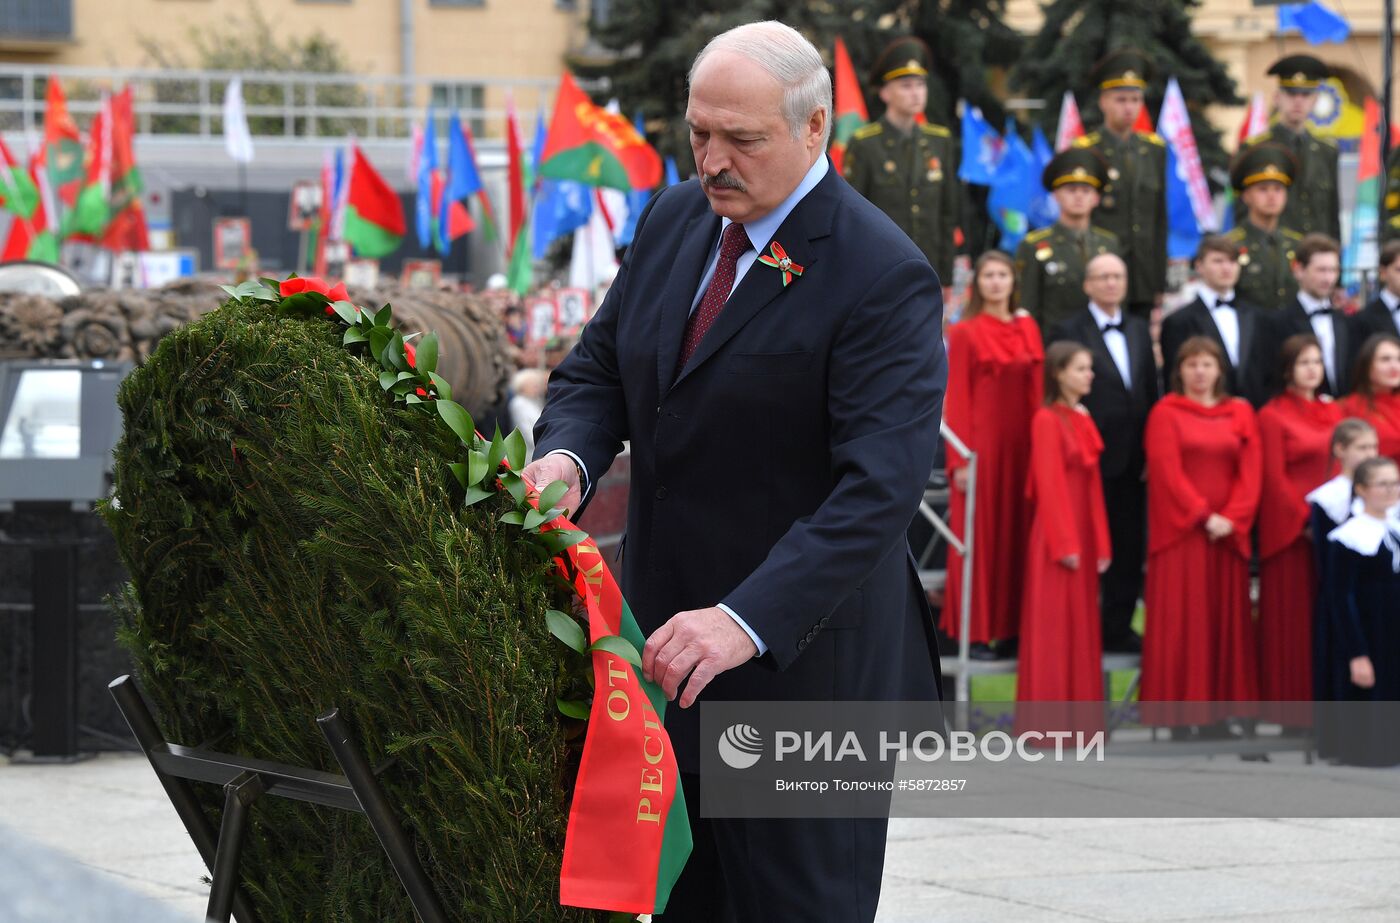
111 818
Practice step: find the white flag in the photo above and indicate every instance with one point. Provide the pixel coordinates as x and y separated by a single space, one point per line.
1174 124
238 141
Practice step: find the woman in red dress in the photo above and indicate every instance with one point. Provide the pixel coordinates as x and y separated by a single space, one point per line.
1375 395
1203 472
1296 433
994 387
1061 649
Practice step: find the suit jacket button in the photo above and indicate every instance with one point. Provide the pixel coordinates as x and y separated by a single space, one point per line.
661 493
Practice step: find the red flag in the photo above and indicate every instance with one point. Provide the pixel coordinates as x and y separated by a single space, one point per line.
849 104
1071 125
62 151
374 219
589 144
1144 121
516 172
127 230
1256 121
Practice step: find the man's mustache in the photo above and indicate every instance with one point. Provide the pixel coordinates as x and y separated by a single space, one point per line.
723 180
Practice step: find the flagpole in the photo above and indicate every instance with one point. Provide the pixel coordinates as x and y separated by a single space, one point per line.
1387 79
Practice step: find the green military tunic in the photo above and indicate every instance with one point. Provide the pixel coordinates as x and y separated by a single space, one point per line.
1133 207
1314 202
1050 268
912 177
1266 273
1390 209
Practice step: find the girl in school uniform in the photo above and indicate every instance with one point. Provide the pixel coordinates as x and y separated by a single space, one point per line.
1366 605
1061 650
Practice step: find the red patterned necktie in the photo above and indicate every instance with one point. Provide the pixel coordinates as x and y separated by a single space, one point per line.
734 244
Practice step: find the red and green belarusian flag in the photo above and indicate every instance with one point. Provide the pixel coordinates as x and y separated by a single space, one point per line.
849 104
30 237
62 155
590 145
127 228
373 215
628 836
88 217
518 272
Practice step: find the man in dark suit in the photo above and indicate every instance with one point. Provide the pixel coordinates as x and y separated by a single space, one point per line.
1317 266
771 348
1125 388
1217 312
1382 315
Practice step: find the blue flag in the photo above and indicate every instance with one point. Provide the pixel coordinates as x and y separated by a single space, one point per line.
462 182
672 175
427 166
1316 22
1013 187
1182 233
637 199
981 148
1044 209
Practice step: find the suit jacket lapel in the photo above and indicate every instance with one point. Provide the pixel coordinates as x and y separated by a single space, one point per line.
680 292
1341 351
809 221
1247 322
1096 342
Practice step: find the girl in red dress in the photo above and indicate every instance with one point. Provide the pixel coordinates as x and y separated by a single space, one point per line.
1203 472
1296 432
1375 395
994 387
1061 649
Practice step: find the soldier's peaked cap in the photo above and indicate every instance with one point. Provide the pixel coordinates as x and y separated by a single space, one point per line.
907 56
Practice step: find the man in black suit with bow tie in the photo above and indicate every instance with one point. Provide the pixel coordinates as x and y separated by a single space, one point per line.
1317 266
1124 390
1218 313
1382 315
772 350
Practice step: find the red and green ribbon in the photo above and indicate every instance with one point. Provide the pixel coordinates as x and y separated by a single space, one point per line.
777 258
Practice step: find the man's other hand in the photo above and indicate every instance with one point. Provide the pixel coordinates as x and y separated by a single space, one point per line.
707 641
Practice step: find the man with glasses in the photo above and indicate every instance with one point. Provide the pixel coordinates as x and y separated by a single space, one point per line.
1124 390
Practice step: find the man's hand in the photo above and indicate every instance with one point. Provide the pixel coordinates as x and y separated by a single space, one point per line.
707 641
545 471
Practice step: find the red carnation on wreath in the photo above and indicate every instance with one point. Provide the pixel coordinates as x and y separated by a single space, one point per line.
295 286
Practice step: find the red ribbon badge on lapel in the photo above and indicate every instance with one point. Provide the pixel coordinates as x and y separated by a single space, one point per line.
777 258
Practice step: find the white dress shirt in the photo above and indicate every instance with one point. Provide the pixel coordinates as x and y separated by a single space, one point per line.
1227 321
1392 304
1115 340
1322 329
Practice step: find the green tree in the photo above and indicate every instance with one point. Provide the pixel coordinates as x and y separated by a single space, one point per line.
252 43
1077 33
651 43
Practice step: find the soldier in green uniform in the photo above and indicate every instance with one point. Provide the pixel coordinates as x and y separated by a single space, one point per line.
1314 203
1050 262
909 170
1133 203
1390 211
1262 177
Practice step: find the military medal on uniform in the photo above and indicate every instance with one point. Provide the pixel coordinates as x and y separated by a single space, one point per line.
935 170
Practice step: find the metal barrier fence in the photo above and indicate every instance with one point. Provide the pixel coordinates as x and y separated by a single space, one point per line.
289 107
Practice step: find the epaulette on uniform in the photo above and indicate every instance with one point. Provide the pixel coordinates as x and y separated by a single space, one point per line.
1236 232
1105 232
868 131
1041 234
1088 140
932 129
1292 234
1259 138
1155 138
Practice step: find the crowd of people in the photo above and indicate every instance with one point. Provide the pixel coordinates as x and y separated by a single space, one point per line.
1101 475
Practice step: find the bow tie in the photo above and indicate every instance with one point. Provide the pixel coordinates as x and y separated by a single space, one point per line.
1319 312
1225 302
1112 325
